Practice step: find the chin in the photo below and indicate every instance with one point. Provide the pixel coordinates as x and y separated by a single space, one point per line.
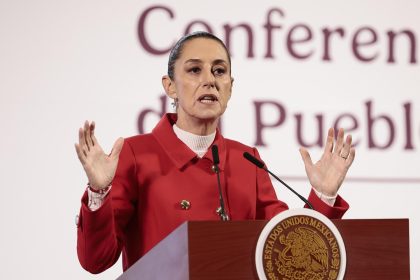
203 115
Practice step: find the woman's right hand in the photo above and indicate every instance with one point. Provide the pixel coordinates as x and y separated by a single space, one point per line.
99 167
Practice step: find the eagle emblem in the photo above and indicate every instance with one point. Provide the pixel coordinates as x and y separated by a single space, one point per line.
304 256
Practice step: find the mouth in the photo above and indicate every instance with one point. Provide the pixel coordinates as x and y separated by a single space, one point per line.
208 98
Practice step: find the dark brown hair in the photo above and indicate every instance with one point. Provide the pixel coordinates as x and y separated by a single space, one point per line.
177 49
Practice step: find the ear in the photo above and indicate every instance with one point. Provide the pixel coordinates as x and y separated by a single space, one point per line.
169 86
231 86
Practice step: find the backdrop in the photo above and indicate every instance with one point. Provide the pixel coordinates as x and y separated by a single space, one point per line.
299 67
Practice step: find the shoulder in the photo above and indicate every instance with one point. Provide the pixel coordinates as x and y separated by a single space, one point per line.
132 140
142 141
137 147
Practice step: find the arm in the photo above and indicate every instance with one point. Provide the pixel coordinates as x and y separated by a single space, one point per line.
100 232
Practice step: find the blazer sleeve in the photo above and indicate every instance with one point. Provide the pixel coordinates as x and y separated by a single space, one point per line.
101 233
333 212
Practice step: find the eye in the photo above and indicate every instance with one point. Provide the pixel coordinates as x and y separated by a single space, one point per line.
219 71
194 70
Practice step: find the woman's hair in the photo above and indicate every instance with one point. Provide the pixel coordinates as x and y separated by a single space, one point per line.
177 49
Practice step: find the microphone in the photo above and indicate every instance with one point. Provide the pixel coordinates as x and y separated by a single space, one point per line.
260 164
216 161
215 153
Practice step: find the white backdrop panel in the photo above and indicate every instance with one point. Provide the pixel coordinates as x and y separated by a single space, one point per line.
62 62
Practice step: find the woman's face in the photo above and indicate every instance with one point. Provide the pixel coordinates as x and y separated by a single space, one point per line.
202 82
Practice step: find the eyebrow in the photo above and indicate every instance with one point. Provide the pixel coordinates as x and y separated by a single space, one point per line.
196 60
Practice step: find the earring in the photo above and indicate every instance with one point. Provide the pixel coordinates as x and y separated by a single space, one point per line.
175 103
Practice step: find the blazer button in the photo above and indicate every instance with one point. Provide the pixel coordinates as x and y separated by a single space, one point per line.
185 204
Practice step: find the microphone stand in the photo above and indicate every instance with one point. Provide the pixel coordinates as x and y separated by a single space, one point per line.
261 165
215 153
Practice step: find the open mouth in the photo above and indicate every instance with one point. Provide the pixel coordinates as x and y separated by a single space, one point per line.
208 98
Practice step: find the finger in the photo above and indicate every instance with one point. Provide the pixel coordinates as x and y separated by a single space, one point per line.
80 154
82 141
351 157
306 157
116 149
346 149
92 133
339 144
87 135
329 144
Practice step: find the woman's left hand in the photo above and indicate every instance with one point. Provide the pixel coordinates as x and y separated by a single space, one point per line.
327 174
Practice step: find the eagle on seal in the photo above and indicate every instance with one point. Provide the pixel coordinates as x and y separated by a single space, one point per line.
304 249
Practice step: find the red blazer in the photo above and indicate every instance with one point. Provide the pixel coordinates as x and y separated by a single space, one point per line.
155 173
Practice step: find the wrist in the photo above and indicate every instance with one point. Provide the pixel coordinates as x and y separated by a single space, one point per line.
328 191
98 190
96 197
324 194
330 200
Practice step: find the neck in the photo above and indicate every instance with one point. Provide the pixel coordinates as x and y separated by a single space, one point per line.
198 126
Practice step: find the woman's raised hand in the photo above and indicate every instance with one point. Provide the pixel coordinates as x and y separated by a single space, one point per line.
328 173
99 167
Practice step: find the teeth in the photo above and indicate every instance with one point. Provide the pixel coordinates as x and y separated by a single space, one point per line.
208 98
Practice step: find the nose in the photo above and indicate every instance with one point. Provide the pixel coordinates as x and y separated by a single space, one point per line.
208 79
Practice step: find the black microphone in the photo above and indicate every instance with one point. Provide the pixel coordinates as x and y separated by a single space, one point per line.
215 153
216 161
260 164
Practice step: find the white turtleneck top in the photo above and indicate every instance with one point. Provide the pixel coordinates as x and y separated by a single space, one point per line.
197 143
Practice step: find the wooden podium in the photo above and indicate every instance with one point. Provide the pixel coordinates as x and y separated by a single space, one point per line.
376 249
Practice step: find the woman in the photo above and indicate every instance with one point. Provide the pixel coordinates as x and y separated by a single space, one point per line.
152 183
